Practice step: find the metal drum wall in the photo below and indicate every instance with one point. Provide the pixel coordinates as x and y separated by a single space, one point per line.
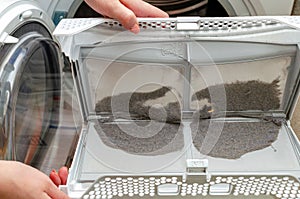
204 8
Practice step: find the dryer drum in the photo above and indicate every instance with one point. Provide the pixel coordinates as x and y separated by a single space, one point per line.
204 8
175 7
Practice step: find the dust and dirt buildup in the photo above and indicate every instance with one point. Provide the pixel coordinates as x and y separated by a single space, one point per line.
131 105
162 130
236 138
155 139
152 130
242 96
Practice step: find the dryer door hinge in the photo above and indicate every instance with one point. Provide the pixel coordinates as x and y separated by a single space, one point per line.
5 38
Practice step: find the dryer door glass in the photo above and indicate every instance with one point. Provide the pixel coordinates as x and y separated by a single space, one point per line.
30 90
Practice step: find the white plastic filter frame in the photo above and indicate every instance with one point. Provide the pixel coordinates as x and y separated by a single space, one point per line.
174 186
206 26
277 24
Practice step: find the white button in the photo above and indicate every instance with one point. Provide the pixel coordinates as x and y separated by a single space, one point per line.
220 189
27 14
168 189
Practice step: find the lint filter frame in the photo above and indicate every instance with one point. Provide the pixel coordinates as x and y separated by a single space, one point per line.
188 107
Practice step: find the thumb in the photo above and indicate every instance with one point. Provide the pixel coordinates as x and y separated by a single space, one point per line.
116 10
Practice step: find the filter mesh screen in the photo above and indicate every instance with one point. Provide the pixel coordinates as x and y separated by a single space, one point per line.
137 138
234 139
160 131
242 96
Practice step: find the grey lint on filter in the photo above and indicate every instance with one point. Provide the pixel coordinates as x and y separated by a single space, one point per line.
153 141
119 105
242 96
159 133
237 138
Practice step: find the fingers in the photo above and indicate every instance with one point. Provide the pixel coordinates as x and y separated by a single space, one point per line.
125 11
55 178
59 178
144 9
63 175
114 9
127 18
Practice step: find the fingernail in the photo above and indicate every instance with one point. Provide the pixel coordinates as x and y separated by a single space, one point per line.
54 171
135 29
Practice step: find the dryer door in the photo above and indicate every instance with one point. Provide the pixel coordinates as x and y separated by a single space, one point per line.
30 84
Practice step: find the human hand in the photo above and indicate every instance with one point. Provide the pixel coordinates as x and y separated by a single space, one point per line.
20 181
126 11
59 178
